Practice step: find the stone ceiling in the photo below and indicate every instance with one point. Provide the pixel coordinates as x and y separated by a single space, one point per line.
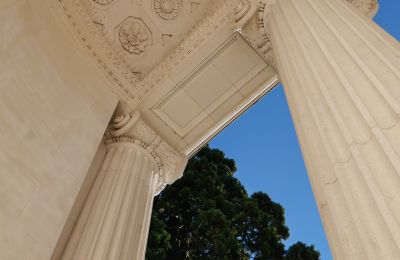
190 67
137 42
143 32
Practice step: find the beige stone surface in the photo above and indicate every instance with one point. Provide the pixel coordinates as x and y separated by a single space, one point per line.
115 219
341 75
189 71
80 200
54 108
215 84
160 26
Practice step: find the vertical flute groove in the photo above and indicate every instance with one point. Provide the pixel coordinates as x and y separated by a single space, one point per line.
343 230
386 217
343 94
118 205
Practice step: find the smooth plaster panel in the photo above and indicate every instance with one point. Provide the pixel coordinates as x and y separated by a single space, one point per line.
206 89
55 106
182 109
236 61
207 86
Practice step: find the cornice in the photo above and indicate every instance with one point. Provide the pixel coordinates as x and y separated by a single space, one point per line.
367 7
130 128
219 14
125 82
245 16
252 28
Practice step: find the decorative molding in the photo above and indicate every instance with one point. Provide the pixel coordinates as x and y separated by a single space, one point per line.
115 68
168 9
256 35
127 84
194 6
367 7
245 10
241 10
218 15
132 129
103 2
134 35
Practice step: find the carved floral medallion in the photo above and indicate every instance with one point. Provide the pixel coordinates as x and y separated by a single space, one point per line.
134 36
168 9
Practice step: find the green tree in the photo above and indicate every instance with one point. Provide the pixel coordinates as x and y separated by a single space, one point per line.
300 251
207 214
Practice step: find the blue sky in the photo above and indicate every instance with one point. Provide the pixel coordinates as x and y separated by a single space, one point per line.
264 145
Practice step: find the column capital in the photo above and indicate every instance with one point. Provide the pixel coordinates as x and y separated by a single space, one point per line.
249 19
130 128
367 7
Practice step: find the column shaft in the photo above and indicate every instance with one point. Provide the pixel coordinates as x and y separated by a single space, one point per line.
341 75
115 219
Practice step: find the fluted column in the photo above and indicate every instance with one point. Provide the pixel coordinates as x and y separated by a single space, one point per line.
341 75
115 219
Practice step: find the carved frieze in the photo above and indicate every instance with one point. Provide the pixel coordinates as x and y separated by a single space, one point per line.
367 7
134 36
168 9
127 85
254 33
251 24
241 10
218 16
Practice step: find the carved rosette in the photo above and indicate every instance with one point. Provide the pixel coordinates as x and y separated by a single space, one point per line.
168 9
130 128
134 36
103 2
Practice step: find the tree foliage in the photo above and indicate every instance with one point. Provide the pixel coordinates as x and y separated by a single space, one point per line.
301 251
207 214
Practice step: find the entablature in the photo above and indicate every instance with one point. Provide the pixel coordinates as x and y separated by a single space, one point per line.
190 85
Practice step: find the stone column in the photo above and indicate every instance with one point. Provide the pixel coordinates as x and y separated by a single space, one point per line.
115 219
341 74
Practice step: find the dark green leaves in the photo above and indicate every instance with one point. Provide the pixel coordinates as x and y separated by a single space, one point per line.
207 214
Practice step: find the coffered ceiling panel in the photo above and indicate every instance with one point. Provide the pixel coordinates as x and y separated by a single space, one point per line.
143 32
197 99
209 86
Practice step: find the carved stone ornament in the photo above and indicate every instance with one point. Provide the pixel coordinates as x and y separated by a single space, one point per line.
168 9
127 85
103 2
134 36
244 11
130 128
367 7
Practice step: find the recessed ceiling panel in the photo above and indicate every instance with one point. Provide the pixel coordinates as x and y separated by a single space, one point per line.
207 86
143 32
206 91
